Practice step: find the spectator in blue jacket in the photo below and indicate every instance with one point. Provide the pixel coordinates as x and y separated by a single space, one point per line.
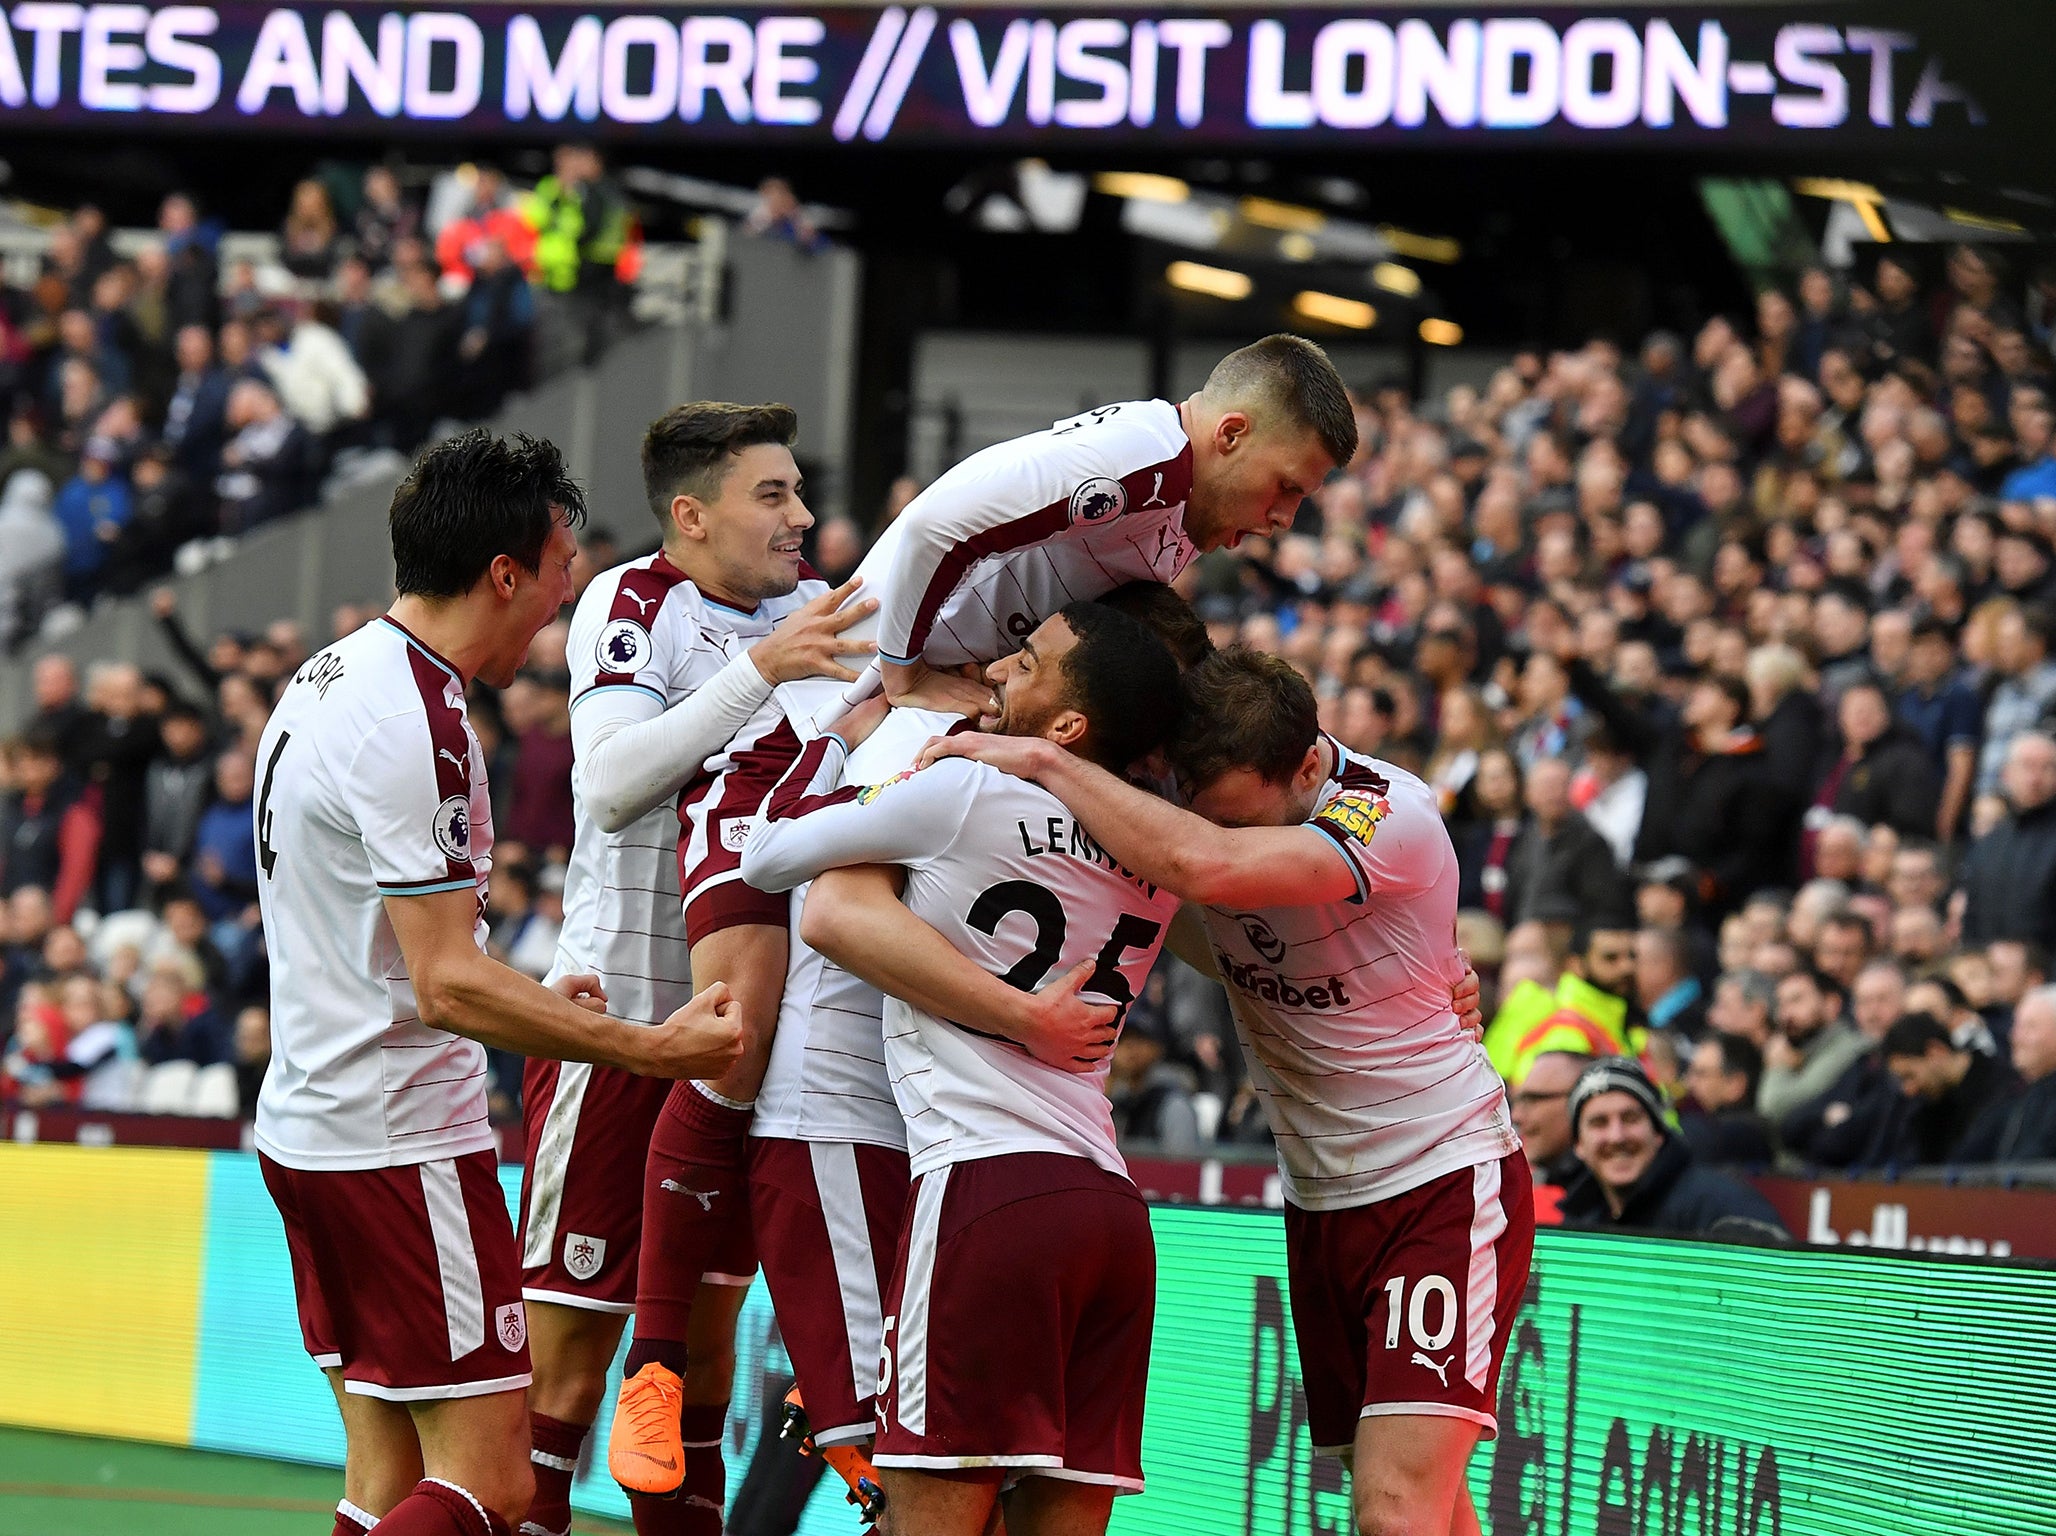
225 843
1941 708
2034 431
177 1021
196 416
92 509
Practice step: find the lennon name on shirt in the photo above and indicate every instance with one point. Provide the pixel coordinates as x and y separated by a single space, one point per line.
1062 836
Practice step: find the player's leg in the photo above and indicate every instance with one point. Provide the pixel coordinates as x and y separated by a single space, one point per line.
695 1200
941 1503
1404 1306
695 1218
967 1390
437 1327
1049 1506
588 1138
572 1348
378 1438
1110 1298
1408 1474
475 1471
827 1215
751 958
708 1384
381 1456
671 1419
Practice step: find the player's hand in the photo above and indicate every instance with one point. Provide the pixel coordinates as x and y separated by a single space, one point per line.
1022 756
916 685
1780 1055
808 640
1464 1001
703 1039
164 602
585 991
1067 1032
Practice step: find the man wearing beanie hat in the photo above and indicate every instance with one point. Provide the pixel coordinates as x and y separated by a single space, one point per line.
1638 1172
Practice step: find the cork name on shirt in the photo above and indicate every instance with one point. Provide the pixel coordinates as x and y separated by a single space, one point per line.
320 671
1050 836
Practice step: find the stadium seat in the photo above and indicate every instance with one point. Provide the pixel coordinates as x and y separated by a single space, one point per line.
214 1092
168 1088
115 1088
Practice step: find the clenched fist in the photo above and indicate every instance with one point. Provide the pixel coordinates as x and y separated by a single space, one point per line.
701 1040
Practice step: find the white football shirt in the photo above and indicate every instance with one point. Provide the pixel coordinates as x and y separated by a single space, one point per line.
996 865
1370 1087
1004 539
827 1079
370 784
643 638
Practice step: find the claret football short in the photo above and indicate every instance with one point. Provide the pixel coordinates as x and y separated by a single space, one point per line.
407 1278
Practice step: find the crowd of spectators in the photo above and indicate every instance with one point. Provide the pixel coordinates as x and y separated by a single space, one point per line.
1730 662
129 932
168 396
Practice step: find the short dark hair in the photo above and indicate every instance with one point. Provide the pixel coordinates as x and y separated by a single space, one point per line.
1736 690
469 500
41 739
2039 622
686 450
1160 609
1849 590
1123 679
1932 628
1955 996
2033 956
1850 920
1592 924
1244 709
1739 1054
1912 1035
1294 377
1821 981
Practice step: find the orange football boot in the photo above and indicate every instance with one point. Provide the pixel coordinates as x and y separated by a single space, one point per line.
645 1453
848 1461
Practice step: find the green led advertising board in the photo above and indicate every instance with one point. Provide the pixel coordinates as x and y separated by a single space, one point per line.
1654 1388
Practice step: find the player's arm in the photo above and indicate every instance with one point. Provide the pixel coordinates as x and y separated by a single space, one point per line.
855 917
634 754
1184 854
813 822
459 988
991 502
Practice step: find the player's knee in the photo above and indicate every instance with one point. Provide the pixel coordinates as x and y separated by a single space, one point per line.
509 1490
1385 1510
572 1398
